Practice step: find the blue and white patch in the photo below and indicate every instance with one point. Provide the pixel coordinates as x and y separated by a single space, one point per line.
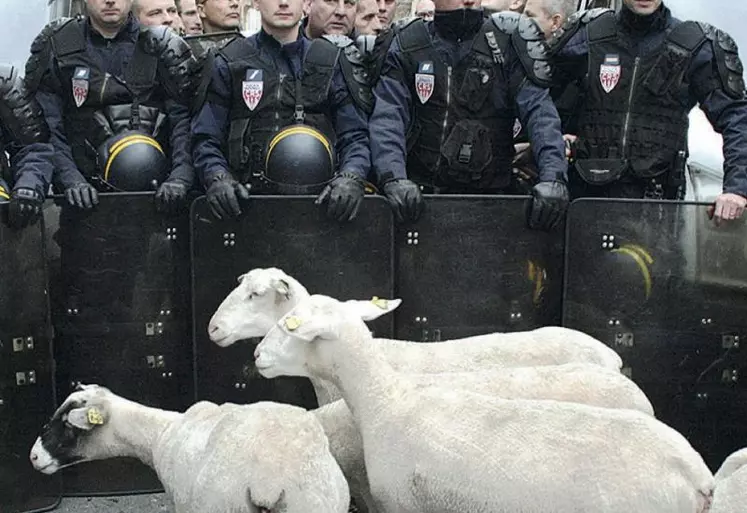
252 88
81 77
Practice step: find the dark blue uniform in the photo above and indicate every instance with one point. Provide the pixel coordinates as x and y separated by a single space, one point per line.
639 87
31 165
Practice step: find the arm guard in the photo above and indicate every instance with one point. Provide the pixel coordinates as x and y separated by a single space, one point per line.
181 69
578 20
20 114
529 43
354 71
41 53
727 60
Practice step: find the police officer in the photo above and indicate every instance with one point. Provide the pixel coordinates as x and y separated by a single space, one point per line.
105 84
25 137
269 85
367 21
643 71
219 15
153 13
187 10
446 103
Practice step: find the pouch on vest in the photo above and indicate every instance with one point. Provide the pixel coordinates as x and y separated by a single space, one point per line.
475 88
468 151
601 171
650 167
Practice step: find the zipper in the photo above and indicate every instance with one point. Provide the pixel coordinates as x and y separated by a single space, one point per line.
277 102
630 104
446 111
103 88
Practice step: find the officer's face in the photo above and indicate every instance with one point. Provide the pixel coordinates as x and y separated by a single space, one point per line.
367 18
425 9
643 7
452 5
109 12
222 14
280 14
330 17
536 9
156 12
190 17
386 12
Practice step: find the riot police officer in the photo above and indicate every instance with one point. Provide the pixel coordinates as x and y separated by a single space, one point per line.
446 102
115 97
25 137
643 71
278 104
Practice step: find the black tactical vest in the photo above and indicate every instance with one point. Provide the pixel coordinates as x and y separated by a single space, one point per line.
634 122
98 105
457 137
264 101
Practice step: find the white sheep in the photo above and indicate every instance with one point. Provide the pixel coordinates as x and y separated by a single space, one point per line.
430 448
263 457
264 295
730 495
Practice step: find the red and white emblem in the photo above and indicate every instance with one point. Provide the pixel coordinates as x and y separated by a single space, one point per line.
424 84
609 72
80 85
252 88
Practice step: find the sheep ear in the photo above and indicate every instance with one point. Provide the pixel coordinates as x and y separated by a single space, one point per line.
309 327
241 277
282 287
373 308
86 418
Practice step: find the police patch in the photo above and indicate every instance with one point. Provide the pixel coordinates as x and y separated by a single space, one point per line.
609 72
252 88
425 80
80 85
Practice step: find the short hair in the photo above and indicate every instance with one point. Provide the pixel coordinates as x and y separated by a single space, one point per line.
565 8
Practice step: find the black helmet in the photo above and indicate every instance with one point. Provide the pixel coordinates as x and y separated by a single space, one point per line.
132 161
299 160
626 280
4 192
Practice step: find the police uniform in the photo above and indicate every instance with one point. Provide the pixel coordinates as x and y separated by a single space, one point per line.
92 88
446 103
641 76
258 88
25 137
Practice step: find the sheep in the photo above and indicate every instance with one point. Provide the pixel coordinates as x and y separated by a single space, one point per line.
730 495
434 448
264 295
241 458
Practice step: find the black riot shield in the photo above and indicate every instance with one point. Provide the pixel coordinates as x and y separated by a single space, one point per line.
346 261
26 383
121 311
667 288
471 265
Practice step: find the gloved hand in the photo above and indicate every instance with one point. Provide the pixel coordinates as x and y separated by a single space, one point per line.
344 195
82 195
405 198
25 207
171 197
223 196
549 203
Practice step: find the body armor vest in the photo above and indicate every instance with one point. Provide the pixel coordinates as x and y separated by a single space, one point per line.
457 137
264 101
634 122
98 105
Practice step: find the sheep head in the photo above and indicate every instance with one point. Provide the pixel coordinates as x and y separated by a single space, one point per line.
298 337
68 438
261 298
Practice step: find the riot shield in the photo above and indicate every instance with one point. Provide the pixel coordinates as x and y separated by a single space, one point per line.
346 261
120 305
26 383
665 287
471 265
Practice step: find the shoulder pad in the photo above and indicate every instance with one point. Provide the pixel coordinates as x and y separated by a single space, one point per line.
506 21
38 61
576 21
403 22
366 44
688 35
182 69
590 14
532 50
728 64
203 43
339 40
20 114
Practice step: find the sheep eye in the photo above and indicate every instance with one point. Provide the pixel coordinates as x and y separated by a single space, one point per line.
252 295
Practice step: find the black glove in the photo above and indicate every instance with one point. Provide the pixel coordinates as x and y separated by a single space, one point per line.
82 195
171 197
25 207
405 198
223 196
344 194
549 203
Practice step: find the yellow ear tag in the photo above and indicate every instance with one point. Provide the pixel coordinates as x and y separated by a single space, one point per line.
292 323
381 303
95 417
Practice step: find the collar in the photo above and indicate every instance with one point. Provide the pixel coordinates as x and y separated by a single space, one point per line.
459 24
127 32
637 24
266 39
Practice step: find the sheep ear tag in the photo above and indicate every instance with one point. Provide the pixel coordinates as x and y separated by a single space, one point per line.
381 303
94 417
292 323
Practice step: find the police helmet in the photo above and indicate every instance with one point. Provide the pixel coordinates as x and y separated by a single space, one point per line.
630 281
4 192
132 161
299 156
